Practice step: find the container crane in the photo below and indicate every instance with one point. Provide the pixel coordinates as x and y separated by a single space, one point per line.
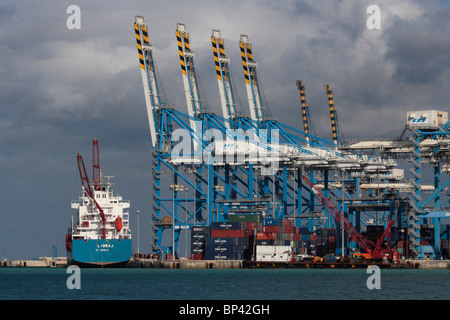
221 61
374 251
149 78
333 116
87 186
254 94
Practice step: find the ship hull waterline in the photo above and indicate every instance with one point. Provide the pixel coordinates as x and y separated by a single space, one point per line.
102 253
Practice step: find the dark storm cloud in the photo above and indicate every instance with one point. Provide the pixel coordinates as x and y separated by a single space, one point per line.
420 48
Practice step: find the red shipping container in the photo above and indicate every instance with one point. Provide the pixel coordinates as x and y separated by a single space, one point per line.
261 236
250 226
288 229
227 233
275 229
287 222
197 256
266 236
312 237
297 237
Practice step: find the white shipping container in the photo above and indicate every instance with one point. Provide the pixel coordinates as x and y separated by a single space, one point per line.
273 253
426 119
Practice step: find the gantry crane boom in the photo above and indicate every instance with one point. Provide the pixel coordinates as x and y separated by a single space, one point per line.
254 94
196 104
149 78
333 116
305 108
226 92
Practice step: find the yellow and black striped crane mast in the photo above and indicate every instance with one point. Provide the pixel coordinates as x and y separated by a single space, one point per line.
226 92
149 77
257 110
305 108
196 103
333 116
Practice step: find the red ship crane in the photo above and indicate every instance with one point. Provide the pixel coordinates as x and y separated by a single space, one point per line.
374 250
87 186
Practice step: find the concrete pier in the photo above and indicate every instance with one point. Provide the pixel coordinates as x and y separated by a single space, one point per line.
42 262
48 262
185 264
429 264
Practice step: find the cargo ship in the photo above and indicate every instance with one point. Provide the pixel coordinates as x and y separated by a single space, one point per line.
99 235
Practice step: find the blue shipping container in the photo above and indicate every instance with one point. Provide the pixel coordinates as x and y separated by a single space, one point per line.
271 222
227 241
223 256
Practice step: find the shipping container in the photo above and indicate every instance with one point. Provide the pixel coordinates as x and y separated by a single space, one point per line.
250 226
227 233
270 228
227 225
200 229
268 242
287 222
244 218
196 256
271 222
287 229
274 253
225 249
303 230
224 256
227 241
198 250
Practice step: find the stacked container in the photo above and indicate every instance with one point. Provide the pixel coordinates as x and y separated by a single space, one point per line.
244 235
227 241
322 242
198 241
427 234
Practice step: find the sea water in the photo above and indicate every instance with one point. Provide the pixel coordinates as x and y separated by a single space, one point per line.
223 284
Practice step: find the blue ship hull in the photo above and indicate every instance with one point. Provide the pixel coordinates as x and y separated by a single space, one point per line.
101 252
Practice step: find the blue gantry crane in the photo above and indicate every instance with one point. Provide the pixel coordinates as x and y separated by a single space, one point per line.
208 167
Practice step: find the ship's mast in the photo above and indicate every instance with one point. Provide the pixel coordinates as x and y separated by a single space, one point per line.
87 186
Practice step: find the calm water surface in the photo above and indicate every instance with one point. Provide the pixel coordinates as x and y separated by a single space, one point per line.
222 284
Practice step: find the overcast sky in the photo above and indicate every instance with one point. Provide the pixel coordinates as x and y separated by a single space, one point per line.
61 88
